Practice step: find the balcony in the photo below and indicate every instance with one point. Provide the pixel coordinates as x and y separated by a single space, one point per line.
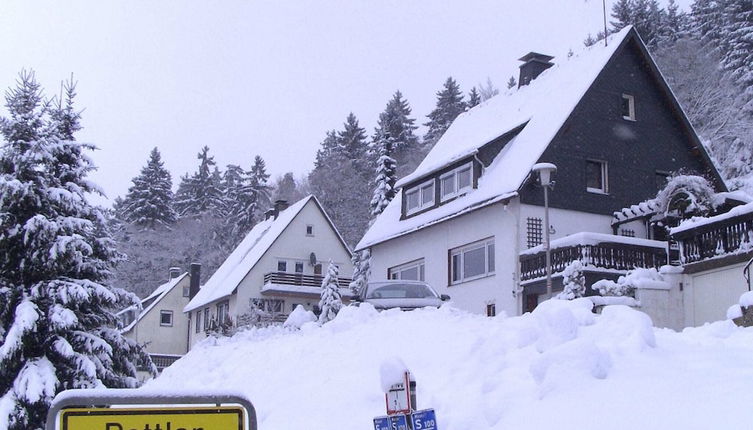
298 284
598 253
722 236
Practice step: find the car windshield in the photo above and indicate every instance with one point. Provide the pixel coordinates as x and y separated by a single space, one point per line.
399 291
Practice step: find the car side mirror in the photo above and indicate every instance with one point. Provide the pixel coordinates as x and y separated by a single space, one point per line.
356 298
444 297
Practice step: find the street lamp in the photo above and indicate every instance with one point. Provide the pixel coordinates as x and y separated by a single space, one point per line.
545 171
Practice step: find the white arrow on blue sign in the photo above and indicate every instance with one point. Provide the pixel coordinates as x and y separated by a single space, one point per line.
424 420
393 422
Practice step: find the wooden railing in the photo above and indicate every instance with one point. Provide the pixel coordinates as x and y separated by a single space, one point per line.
614 256
727 236
301 280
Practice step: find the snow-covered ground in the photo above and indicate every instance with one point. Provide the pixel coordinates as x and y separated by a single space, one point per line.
560 367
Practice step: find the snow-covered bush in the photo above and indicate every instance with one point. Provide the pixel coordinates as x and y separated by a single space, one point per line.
573 281
330 301
256 316
633 280
299 317
609 288
685 196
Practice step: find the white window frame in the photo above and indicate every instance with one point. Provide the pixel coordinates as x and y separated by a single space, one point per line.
419 264
631 107
198 320
420 190
285 262
462 250
298 264
604 178
223 311
456 179
165 312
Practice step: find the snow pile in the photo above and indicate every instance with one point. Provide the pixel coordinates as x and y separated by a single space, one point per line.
485 373
299 317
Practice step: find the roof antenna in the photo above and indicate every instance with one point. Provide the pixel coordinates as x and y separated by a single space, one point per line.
604 9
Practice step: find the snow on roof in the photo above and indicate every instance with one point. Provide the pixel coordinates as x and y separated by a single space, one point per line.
153 299
540 107
245 256
642 209
696 222
589 238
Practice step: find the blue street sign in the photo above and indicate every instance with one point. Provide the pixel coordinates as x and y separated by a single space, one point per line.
382 423
424 420
393 422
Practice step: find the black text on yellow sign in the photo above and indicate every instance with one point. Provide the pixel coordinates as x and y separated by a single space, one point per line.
197 418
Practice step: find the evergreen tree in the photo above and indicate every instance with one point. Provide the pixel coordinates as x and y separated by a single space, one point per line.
330 301
353 146
246 196
386 177
328 150
450 104
737 53
149 200
63 113
511 83
202 192
396 122
473 98
361 270
259 179
573 281
57 324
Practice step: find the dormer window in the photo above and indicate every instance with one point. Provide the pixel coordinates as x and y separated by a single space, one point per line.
456 182
419 197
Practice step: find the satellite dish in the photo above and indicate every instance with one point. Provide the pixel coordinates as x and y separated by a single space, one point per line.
312 259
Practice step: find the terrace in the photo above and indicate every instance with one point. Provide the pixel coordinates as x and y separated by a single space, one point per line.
298 284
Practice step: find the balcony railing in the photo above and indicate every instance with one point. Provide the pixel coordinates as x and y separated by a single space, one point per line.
613 255
300 280
727 235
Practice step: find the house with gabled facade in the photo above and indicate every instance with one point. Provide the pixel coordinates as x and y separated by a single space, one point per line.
279 265
159 324
469 219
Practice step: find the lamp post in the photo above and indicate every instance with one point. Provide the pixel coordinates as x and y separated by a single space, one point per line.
545 171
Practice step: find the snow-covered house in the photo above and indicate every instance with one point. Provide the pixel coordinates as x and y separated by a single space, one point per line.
279 265
469 219
160 325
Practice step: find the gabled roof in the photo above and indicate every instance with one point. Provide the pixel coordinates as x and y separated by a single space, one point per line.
533 107
245 256
152 299
539 110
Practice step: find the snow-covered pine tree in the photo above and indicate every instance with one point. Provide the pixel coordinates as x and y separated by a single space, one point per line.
386 176
396 122
573 281
450 104
511 83
149 201
737 52
260 182
330 301
361 270
201 193
57 326
474 98
353 146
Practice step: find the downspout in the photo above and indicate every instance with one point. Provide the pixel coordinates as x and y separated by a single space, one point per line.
517 290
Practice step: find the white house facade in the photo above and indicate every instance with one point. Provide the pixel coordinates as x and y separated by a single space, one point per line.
279 265
470 219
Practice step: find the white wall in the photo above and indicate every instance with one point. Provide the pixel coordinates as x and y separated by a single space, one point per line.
708 295
567 222
161 339
434 243
292 245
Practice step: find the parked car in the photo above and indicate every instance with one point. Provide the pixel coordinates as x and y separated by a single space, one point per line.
406 295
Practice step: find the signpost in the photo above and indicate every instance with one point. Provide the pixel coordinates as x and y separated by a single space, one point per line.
132 410
424 420
400 400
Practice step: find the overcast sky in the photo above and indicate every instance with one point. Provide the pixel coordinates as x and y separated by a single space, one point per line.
265 77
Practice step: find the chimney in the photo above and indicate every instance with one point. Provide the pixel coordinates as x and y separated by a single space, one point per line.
533 64
195 280
280 205
174 272
270 213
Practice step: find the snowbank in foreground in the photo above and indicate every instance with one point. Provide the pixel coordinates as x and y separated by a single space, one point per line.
559 367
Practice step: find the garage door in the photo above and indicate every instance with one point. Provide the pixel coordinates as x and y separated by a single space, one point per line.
714 292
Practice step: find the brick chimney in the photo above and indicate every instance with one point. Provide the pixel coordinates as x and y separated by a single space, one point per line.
195 280
280 205
533 64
